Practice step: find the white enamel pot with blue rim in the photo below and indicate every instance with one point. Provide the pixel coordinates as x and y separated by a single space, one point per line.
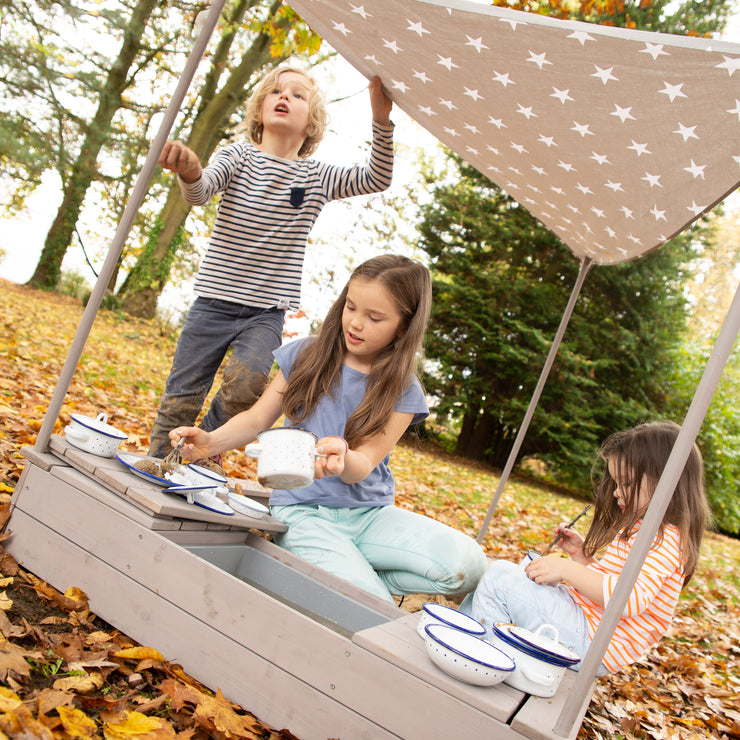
285 457
94 435
541 661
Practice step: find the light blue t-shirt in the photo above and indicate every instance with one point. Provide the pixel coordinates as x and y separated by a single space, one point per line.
329 417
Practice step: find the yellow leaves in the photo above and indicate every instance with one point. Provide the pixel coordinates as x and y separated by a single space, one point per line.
136 725
213 713
85 684
76 723
13 661
9 700
139 653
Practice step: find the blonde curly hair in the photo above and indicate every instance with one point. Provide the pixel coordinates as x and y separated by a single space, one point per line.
318 116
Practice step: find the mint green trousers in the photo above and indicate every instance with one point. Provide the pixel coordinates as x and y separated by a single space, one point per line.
383 549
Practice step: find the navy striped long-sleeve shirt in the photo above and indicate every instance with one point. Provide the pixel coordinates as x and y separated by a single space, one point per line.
266 210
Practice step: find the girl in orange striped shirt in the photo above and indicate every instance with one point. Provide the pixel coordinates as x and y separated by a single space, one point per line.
571 593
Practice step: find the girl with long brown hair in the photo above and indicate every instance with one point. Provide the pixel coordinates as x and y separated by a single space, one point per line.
571 593
354 385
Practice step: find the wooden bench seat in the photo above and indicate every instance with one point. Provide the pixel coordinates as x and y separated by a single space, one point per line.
300 648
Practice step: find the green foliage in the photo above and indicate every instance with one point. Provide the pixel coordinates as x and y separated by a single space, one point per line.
73 283
501 282
719 439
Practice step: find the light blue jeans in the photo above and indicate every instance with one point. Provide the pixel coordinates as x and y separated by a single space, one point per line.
383 549
506 594
211 327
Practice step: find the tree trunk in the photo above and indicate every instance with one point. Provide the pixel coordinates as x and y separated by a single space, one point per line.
84 170
145 282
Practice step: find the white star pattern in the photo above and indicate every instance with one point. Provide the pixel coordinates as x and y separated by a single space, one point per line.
665 111
731 64
503 79
473 94
673 91
600 158
538 59
695 170
652 180
360 10
655 50
561 95
477 44
686 132
582 129
639 148
604 74
526 112
446 62
416 28
581 36
622 114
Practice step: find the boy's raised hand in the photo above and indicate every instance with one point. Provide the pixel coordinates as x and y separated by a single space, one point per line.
379 102
181 160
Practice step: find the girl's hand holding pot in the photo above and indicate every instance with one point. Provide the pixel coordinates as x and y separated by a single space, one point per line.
332 453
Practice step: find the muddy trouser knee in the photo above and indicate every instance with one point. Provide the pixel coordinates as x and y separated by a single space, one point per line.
211 327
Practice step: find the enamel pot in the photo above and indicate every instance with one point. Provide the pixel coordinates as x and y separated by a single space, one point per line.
94 435
285 457
540 661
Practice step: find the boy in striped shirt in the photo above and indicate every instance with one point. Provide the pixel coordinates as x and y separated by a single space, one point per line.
271 193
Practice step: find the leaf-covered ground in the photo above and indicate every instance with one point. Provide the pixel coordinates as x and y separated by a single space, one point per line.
67 674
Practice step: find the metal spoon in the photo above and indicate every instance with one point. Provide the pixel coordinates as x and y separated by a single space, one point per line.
559 535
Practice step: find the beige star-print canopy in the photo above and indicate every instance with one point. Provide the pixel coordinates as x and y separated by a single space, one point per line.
614 139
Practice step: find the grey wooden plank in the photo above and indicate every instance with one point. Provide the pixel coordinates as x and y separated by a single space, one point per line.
398 643
117 503
315 654
216 660
538 715
186 538
336 583
43 460
149 497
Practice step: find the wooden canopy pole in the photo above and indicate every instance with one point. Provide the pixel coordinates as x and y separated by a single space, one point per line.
521 434
654 514
124 227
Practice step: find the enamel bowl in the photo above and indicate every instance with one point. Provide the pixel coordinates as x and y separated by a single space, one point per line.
541 661
466 657
432 613
247 506
94 435
199 474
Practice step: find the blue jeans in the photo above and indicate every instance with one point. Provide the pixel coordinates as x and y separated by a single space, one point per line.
211 327
506 594
383 549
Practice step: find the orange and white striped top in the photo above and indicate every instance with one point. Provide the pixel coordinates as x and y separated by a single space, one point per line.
651 604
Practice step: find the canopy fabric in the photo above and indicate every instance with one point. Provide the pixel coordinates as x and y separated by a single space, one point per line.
614 139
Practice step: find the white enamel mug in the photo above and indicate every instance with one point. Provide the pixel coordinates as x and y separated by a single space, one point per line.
285 457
